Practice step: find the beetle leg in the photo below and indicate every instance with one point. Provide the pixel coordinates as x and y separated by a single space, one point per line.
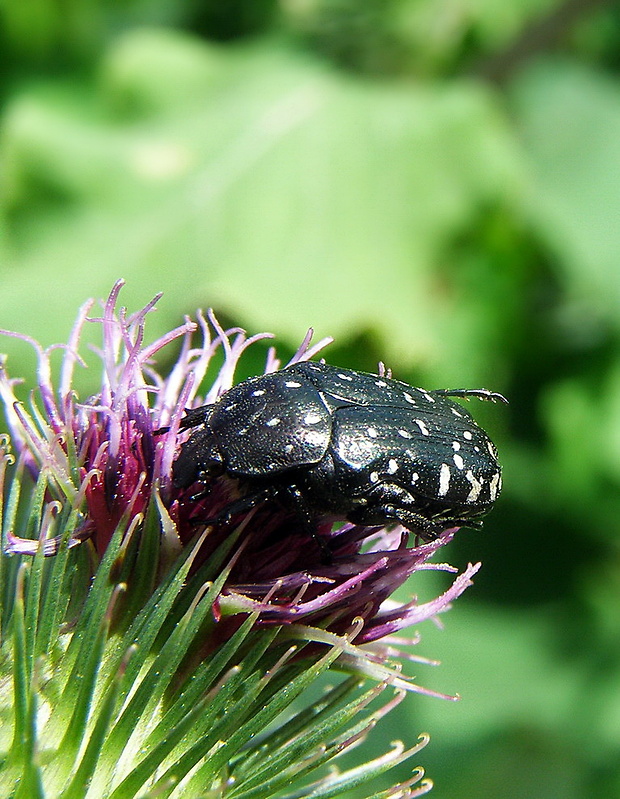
392 503
416 523
308 520
244 503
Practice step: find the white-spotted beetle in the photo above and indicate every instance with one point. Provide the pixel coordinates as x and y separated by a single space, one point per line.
339 444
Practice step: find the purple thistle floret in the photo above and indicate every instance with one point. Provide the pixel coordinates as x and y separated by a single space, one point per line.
124 463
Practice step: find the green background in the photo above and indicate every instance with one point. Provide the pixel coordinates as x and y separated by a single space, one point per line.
436 183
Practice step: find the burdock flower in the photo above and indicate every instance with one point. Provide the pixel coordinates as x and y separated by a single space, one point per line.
152 652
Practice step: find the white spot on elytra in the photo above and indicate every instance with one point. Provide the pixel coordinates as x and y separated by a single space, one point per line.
273 422
380 383
422 426
292 384
444 480
468 435
427 396
476 487
415 477
313 438
492 450
344 377
456 413
372 432
456 446
404 433
392 466
495 486
373 477
458 461
408 397
258 392
312 418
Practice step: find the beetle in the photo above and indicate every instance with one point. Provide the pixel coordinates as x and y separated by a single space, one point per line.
339 444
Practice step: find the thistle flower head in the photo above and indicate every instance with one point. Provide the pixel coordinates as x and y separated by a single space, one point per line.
218 627
105 456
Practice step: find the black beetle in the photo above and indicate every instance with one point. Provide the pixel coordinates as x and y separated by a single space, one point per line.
340 444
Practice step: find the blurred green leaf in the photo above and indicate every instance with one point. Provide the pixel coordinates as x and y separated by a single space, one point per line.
267 186
505 670
410 36
582 474
570 119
